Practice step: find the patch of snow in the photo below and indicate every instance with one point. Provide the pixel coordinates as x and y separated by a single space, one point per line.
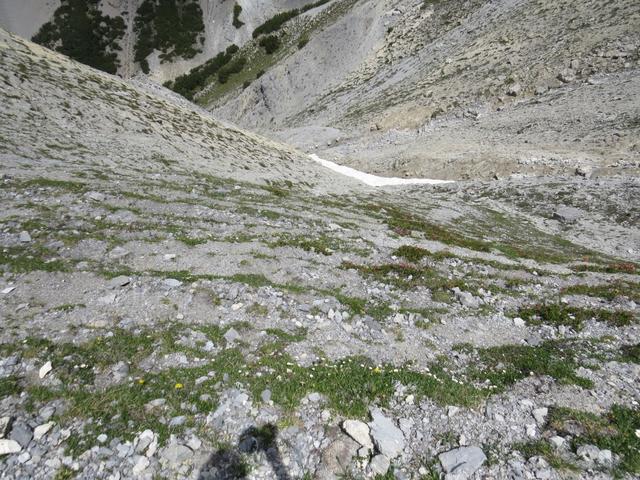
374 180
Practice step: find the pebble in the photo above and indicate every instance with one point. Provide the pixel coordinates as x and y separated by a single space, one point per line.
45 369
171 283
41 430
8 446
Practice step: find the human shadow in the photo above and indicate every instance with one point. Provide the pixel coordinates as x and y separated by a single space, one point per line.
229 464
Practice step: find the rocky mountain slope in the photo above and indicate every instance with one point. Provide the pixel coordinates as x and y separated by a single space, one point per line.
446 88
182 299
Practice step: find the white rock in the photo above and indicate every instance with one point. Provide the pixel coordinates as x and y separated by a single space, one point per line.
107 299
170 256
140 466
8 447
531 429
172 283
24 457
387 437
45 369
359 431
25 237
379 465
519 322
556 441
540 414
8 290
41 430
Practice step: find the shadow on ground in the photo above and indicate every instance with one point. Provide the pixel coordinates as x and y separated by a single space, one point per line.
230 464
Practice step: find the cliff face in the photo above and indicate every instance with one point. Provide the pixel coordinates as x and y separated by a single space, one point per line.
25 18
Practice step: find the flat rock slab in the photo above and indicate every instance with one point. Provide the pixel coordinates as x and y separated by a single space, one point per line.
567 214
461 463
359 431
387 437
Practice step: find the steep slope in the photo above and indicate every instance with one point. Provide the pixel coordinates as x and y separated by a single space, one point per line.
423 68
182 299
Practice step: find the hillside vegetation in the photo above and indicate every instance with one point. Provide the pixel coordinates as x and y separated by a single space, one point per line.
181 298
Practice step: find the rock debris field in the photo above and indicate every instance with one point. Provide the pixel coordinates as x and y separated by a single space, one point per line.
182 299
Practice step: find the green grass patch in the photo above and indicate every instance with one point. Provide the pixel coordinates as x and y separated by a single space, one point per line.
559 314
320 244
24 260
607 291
411 253
505 365
615 431
630 353
9 386
542 448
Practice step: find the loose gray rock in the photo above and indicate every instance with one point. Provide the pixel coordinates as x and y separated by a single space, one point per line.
462 462
175 454
5 426
7 447
359 431
21 433
119 281
231 335
388 438
25 237
265 395
567 214
172 283
379 465
41 430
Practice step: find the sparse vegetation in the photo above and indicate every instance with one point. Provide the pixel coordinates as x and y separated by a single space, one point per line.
270 43
192 82
237 10
558 314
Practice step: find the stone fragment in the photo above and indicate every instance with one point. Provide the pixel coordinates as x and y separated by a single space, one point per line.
25 237
172 283
5 426
7 447
461 463
540 414
265 396
119 281
388 438
141 465
175 455
567 214
21 433
379 465
45 369
231 335
41 430
359 431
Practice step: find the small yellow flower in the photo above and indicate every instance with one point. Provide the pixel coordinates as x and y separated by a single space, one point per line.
141 381
179 386
377 370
